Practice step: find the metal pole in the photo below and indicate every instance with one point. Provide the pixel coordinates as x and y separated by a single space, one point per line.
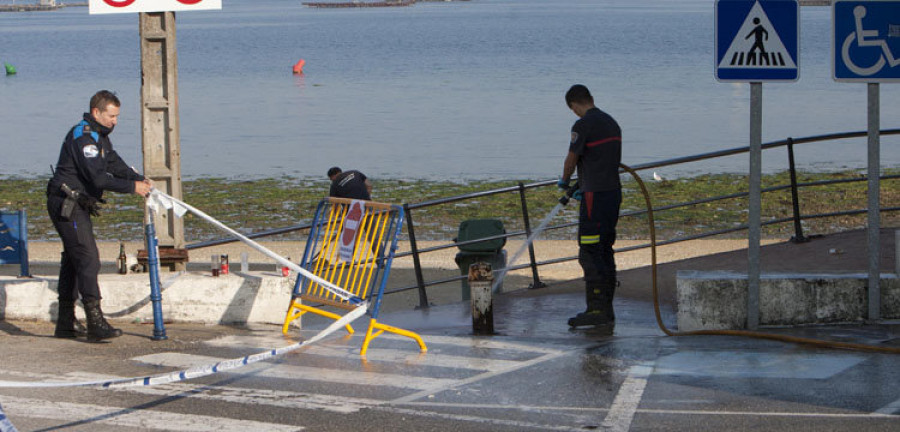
420 280
159 331
536 280
795 200
755 199
874 228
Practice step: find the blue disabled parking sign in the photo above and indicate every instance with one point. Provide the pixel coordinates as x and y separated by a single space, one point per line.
866 41
757 40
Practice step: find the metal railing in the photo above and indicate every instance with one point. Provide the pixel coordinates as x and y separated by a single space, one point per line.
521 189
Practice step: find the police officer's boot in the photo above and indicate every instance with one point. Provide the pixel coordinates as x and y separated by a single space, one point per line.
599 297
97 327
67 326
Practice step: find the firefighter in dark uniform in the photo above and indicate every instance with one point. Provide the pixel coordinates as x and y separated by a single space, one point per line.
595 150
87 166
351 184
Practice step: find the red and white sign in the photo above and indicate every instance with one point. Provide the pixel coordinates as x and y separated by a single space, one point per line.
351 225
128 6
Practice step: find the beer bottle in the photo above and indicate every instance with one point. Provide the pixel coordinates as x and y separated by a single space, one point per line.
121 261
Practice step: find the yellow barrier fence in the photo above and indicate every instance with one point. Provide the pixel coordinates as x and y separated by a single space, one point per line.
351 245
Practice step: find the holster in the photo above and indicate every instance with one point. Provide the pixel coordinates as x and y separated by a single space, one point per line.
68 206
73 197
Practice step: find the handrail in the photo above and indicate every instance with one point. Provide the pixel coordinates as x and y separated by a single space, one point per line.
415 252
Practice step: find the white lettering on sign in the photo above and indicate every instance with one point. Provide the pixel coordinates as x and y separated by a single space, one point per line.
129 6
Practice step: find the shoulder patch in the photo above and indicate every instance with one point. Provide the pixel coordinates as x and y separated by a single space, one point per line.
90 151
574 137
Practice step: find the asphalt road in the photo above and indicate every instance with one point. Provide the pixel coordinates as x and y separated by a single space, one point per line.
533 374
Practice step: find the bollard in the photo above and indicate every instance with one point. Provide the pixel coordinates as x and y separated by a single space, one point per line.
245 262
159 331
481 278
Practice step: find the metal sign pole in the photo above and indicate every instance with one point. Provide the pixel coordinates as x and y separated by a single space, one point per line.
874 224
755 204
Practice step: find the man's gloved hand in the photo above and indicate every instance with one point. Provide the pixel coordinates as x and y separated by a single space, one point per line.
90 204
562 184
578 195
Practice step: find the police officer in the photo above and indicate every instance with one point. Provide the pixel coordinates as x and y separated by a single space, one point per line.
87 166
351 184
595 150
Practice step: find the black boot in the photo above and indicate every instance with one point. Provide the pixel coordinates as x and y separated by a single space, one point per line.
67 326
599 297
97 327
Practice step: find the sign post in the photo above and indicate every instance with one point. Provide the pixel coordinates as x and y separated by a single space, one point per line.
865 48
756 41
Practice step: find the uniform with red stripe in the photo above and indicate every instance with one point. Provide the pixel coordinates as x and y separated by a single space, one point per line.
595 151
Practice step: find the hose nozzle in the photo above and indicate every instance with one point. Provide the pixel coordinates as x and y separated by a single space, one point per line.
564 200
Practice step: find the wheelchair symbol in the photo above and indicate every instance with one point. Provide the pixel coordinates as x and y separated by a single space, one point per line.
864 39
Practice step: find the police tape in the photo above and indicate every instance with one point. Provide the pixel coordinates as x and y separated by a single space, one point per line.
160 200
155 201
194 372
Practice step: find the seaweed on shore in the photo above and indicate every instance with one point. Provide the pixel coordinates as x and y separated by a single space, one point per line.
263 204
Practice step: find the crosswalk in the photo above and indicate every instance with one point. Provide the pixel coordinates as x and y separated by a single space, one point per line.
328 377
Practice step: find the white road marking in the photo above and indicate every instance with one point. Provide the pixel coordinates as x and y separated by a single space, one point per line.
438 389
249 396
270 370
475 342
627 400
84 414
415 359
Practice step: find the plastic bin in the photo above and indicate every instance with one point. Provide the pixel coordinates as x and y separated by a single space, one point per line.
489 251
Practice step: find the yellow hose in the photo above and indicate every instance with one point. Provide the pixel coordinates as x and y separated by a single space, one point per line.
746 333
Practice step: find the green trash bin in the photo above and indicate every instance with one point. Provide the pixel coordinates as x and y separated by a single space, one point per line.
489 251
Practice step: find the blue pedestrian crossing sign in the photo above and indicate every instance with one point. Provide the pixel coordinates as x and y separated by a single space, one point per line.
757 40
866 41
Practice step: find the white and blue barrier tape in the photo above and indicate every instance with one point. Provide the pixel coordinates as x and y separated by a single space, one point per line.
158 199
197 371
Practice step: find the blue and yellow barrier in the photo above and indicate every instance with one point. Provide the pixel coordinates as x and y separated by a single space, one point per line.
351 244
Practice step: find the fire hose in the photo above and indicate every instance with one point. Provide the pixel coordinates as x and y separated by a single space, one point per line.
745 333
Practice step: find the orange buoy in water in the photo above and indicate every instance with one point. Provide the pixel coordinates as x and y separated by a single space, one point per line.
298 67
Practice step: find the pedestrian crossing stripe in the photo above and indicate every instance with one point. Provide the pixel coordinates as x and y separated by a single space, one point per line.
757 45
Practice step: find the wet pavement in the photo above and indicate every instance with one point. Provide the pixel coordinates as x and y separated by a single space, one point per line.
533 374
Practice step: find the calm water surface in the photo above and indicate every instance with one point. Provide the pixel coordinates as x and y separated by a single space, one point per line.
457 90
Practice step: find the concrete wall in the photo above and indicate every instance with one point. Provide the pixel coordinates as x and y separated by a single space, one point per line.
718 300
254 297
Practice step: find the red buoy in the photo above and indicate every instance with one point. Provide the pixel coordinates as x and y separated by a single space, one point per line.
298 67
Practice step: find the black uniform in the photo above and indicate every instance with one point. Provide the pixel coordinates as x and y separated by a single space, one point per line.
350 184
597 140
88 165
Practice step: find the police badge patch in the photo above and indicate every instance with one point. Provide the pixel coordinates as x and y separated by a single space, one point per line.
574 137
90 151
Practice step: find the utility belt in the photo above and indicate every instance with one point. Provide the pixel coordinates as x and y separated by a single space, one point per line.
73 198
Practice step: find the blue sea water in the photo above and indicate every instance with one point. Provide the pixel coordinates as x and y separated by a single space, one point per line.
438 90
